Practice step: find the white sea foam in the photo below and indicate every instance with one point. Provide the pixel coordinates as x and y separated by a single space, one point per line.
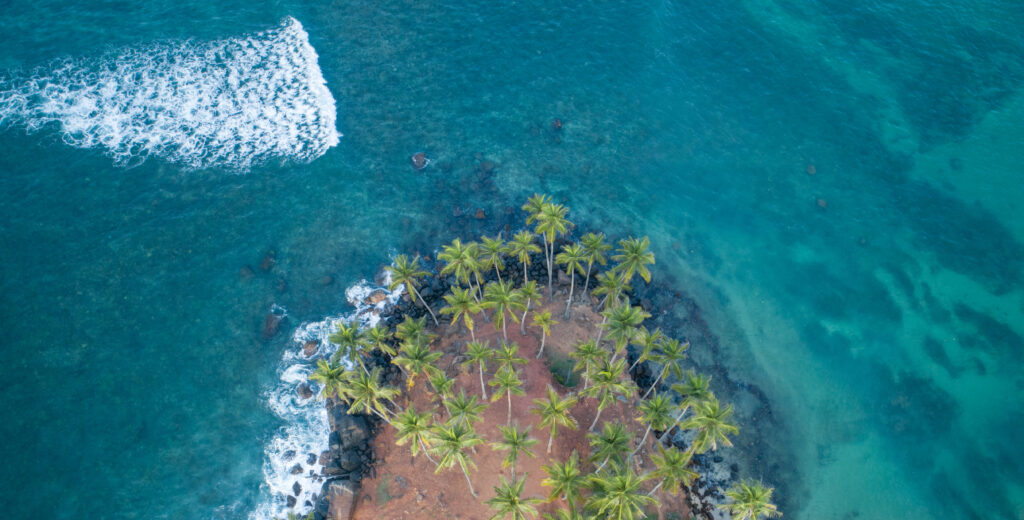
229 103
307 427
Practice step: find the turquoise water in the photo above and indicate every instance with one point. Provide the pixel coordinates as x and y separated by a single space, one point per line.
885 327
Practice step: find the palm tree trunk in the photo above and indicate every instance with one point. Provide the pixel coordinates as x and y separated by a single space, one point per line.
572 286
525 279
547 262
509 394
504 333
586 283
424 447
522 323
656 487
497 272
641 445
483 389
551 438
599 410
600 330
655 383
424 302
638 359
542 338
466 473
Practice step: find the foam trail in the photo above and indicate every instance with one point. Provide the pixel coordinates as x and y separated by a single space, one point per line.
231 103
307 428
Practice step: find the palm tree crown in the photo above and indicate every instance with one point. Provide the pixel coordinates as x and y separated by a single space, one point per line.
673 353
452 443
333 379
533 207
501 297
491 251
522 246
368 395
622 322
515 442
618 496
608 383
751 500
544 321
656 413
609 445
408 273
507 381
554 412
612 284
413 428
594 248
461 304
550 223
713 425
633 257
464 410
508 501
527 294
672 467
565 480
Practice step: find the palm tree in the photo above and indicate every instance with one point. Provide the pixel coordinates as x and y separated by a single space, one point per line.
491 253
451 443
672 467
618 496
515 442
656 413
504 300
612 284
379 338
608 384
442 385
413 428
459 260
507 381
415 358
333 379
464 410
633 257
460 303
368 395
621 322
751 500
572 258
609 445
528 294
560 514
594 248
533 207
713 425
479 354
404 272
647 341
414 330
550 223
349 338
522 246
508 356
672 354
508 501
544 321
587 355
694 389
554 412
565 480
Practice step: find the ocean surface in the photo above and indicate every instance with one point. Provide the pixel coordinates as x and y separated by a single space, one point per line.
837 184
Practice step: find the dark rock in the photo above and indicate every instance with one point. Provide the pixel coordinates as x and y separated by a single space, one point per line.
480 215
291 501
822 203
325 280
288 455
246 272
310 459
268 261
337 500
296 469
282 286
304 391
419 160
324 457
296 488
309 348
486 167
556 125
271 325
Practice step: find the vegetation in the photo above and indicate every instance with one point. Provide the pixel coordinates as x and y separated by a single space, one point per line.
600 484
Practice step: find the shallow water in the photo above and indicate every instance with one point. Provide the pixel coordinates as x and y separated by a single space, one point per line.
877 302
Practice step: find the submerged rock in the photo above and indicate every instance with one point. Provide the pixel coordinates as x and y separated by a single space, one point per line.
419 160
304 391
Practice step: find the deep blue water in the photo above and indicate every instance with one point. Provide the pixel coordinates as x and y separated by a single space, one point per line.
877 302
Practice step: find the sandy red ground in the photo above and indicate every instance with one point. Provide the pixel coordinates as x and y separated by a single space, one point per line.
403 488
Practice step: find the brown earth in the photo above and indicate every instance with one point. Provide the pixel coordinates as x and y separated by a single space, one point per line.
403 488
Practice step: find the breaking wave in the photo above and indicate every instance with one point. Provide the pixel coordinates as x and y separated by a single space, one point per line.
231 103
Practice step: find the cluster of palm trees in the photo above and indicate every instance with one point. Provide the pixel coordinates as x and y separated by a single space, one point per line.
605 484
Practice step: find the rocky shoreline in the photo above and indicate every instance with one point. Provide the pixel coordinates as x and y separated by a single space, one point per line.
350 455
